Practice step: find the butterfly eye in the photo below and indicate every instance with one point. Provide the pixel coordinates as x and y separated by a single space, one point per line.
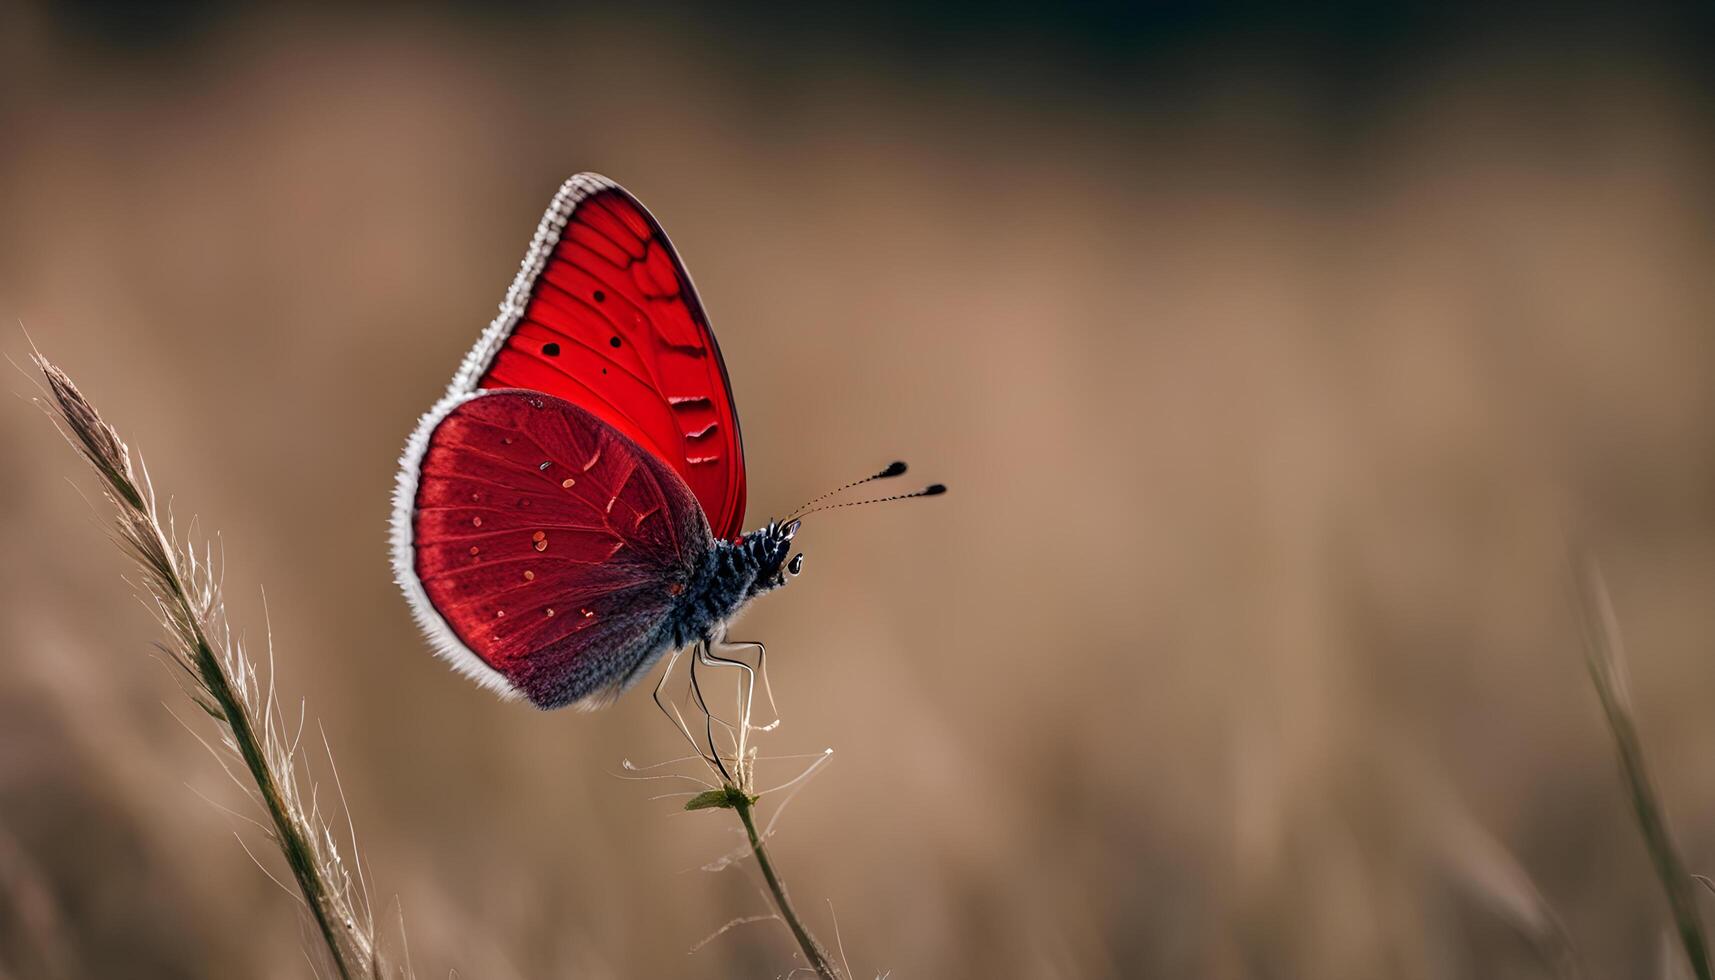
796 565
790 530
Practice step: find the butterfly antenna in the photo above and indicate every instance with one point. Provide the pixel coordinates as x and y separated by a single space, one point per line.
893 469
932 490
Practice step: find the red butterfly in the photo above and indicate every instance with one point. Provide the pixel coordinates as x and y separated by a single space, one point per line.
570 510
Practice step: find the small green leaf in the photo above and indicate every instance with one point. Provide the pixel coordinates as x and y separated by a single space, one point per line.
708 799
727 797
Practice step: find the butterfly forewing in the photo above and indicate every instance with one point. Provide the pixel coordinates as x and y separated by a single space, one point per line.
604 316
549 543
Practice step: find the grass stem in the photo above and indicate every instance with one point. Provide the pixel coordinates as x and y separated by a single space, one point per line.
1603 657
813 950
185 593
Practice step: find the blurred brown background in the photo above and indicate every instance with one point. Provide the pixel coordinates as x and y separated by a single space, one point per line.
1272 361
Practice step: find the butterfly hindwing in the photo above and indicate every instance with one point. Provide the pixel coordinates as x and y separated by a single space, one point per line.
547 546
603 315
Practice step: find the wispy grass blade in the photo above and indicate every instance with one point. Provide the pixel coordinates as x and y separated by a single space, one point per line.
183 587
1605 658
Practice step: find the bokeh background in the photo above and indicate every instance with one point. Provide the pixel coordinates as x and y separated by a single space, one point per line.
1274 360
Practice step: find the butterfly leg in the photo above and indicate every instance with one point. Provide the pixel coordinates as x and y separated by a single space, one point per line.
747 688
708 716
761 668
669 710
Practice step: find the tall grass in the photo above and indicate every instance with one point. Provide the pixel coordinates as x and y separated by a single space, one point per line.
183 588
1605 658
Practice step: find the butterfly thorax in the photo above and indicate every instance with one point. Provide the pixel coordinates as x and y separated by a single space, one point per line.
731 574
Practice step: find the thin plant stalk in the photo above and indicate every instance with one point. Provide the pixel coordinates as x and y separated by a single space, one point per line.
813 951
1604 657
736 775
183 588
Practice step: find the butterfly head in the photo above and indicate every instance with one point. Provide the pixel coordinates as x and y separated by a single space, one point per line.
768 547
772 551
